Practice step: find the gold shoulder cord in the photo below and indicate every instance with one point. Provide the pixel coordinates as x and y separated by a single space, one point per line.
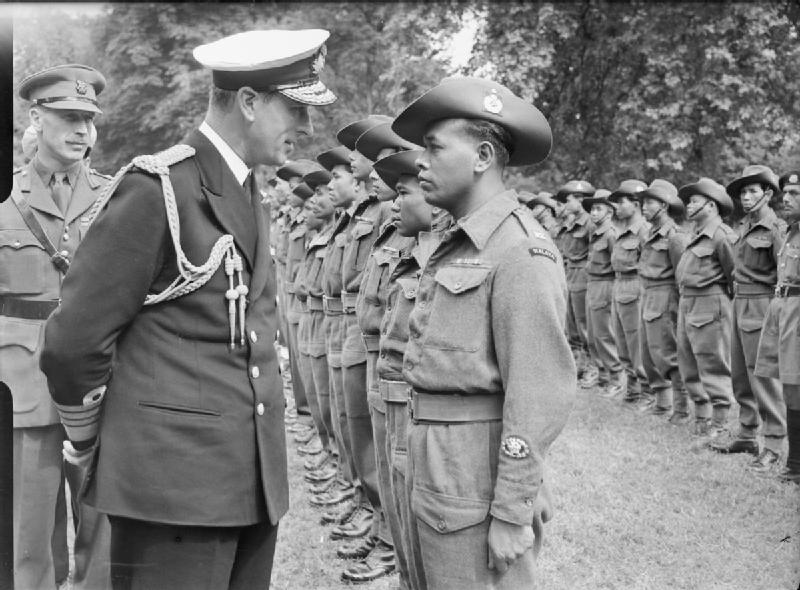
190 277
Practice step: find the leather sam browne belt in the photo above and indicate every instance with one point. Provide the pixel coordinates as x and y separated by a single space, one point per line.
787 291
450 408
25 309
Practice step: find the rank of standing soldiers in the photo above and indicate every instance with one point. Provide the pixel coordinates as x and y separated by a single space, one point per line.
671 314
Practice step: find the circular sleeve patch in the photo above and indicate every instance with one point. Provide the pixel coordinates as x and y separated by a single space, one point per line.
515 447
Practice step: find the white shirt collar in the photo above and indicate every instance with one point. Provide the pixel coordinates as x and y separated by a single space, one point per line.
234 162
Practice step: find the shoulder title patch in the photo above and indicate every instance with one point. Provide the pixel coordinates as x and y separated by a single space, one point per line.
542 252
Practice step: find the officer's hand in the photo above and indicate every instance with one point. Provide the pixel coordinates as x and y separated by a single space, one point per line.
81 458
507 542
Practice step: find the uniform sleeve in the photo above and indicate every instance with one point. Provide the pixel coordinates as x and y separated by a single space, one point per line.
104 289
538 372
724 250
778 238
677 246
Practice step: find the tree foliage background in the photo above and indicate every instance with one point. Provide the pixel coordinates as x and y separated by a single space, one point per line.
631 89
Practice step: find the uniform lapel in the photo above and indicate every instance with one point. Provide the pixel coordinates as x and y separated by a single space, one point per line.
83 195
37 194
226 197
263 261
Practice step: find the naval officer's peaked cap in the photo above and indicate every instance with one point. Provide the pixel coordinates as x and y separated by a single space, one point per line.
288 62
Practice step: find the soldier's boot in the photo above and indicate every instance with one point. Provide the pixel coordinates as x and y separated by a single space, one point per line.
663 402
357 549
591 375
315 462
617 384
312 447
359 524
380 562
339 514
633 393
332 497
580 361
791 473
647 399
680 407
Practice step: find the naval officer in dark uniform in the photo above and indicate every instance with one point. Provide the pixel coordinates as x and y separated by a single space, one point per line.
167 325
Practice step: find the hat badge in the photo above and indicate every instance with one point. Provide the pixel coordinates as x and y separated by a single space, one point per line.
319 61
81 87
793 178
492 102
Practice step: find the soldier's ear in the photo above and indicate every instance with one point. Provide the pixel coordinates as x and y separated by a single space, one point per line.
246 99
485 156
35 117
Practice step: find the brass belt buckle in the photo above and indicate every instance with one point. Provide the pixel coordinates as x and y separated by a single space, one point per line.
410 404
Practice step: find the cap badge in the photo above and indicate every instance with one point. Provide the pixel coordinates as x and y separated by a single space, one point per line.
492 103
793 178
319 61
81 87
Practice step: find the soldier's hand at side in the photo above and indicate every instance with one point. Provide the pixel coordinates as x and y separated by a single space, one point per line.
507 542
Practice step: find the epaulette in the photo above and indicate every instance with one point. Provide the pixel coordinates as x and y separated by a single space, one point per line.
100 174
730 234
160 162
529 225
387 229
18 170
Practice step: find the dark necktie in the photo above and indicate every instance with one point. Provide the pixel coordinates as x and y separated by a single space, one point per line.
60 190
247 185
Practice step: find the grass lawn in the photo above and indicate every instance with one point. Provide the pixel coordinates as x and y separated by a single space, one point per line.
636 507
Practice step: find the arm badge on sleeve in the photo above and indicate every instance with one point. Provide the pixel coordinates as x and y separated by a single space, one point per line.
515 447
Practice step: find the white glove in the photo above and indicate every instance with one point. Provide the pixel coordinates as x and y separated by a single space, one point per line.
81 459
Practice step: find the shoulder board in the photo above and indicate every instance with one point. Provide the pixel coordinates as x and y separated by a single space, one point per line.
385 232
100 174
159 163
730 234
18 170
531 227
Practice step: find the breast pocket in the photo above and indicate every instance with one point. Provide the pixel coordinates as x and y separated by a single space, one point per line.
701 258
22 262
460 306
757 252
791 272
374 275
19 362
626 255
361 234
599 257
